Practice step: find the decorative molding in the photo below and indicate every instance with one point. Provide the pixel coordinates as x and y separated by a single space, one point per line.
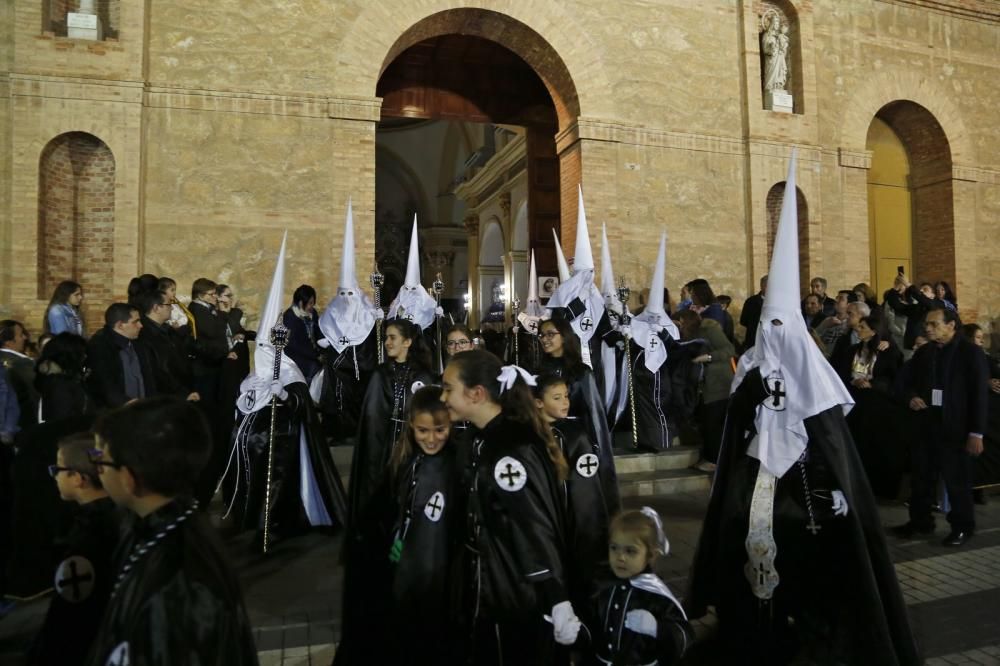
854 159
504 200
981 10
67 87
495 172
596 129
471 224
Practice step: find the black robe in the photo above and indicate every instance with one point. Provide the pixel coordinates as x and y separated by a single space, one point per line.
586 511
614 643
587 404
837 600
515 535
83 584
180 601
247 464
345 380
426 526
527 354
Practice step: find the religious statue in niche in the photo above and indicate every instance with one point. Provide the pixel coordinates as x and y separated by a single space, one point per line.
774 48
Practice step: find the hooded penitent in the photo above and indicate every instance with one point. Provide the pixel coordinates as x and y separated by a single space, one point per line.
608 288
350 316
789 360
531 316
413 301
255 391
580 290
653 318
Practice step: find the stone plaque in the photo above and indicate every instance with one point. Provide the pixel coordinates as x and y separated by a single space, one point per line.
85 21
778 101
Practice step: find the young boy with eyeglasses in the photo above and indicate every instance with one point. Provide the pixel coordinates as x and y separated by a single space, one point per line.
174 598
82 580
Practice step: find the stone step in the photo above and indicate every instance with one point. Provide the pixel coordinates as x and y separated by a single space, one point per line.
678 457
663 482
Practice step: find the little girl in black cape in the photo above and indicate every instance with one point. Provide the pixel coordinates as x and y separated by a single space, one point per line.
636 619
425 536
514 554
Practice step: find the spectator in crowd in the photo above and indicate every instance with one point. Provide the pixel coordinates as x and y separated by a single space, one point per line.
10 413
233 369
840 355
914 304
210 346
120 369
812 310
703 302
947 391
20 368
866 294
181 318
818 287
943 292
750 316
165 348
140 285
302 323
61 375
63 314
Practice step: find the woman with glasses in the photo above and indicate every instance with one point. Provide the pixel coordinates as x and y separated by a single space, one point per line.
561 357
459 339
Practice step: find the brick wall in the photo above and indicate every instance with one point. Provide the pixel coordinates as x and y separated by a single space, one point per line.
76 217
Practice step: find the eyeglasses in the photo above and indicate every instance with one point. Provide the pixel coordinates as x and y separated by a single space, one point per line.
95 455
458 344
549 335
55 469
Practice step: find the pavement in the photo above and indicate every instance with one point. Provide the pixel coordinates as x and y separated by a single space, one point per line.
293 595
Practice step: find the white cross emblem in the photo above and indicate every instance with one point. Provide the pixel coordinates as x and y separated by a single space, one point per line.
119 656
434 508
586 465
75 579
416 386
510 474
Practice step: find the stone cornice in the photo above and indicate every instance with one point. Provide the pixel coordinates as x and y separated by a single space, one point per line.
497 169
616 131
980 10
66 87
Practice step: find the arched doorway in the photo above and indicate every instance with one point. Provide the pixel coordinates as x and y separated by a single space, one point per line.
910 196
491 80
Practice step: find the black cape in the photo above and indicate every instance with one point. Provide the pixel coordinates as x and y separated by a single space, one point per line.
345 380
427 522
295 422
82 586
586 511
839 586
179 603
587 404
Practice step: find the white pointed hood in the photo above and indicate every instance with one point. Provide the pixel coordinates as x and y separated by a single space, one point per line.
255 390
647 324
609 290
560 259
801 381
413 302
349 317
583 256
531 317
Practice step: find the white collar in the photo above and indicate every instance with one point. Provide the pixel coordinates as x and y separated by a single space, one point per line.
16 353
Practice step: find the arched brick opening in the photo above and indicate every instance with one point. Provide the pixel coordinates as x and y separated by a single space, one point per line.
76 218
774 198
930 158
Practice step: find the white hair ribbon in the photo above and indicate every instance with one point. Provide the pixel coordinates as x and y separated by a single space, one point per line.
661 538
508 375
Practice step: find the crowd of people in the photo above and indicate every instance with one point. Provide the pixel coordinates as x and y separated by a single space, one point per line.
482 520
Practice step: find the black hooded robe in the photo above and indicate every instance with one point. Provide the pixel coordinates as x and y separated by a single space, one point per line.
345 381
837 600
295 418
178 600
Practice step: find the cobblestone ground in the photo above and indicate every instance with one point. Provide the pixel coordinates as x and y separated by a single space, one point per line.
293 596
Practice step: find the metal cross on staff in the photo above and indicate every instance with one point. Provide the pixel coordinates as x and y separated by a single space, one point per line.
438 288
377 280
624 293
279 338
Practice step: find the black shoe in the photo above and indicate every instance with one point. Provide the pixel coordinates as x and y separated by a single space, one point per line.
957 538
909 530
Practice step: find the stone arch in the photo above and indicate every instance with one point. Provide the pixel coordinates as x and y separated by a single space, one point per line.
883 88
775 196
519 235
930 181
544 35
76 217
492 247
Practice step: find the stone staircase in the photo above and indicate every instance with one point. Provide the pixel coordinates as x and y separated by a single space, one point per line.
639 474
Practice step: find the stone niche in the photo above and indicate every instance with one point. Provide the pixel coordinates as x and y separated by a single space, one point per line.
95 20
780 56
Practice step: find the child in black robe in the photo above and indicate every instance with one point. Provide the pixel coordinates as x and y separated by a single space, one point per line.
586 509
424 536
82 581
637 619
175 599
514 565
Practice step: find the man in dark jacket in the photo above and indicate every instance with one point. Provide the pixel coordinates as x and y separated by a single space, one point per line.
750 315
165 348
302 323
947 390
119 369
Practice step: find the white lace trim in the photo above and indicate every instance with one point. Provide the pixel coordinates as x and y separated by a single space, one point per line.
760 545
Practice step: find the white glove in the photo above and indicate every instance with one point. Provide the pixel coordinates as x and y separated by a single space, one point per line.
278 391
839 503
655 328
565 623
379 314
641 622
625 330
323 343
439 311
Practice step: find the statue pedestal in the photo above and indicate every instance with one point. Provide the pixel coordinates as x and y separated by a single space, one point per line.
84 26
778 101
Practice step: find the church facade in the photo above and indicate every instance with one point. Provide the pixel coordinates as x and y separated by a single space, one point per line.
185 137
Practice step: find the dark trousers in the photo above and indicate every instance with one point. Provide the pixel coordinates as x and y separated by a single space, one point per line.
933 458
525 643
